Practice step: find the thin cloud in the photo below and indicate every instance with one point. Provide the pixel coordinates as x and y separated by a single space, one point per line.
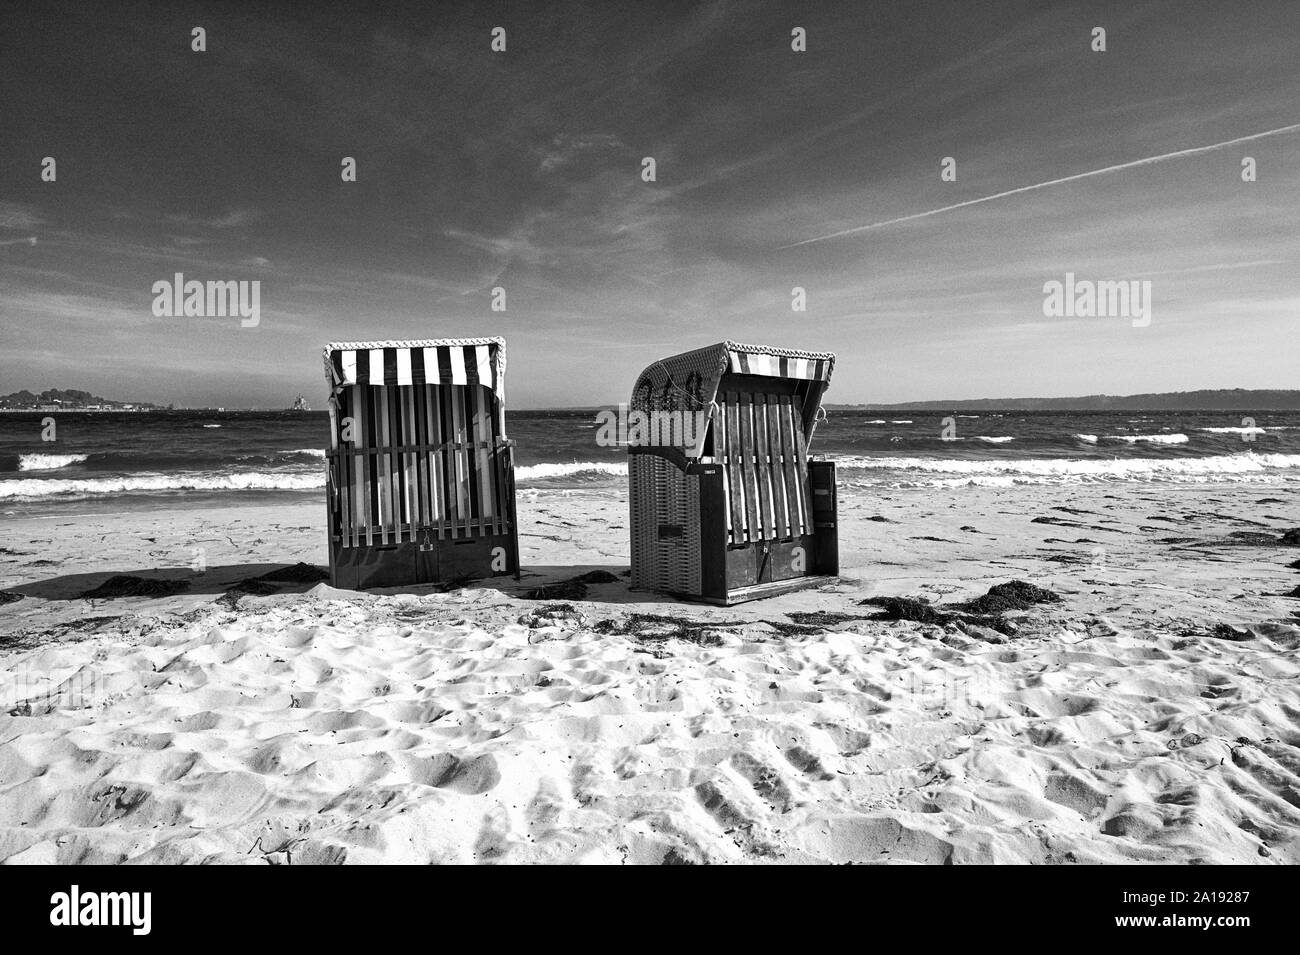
1148 161
233 219
16 215
1217 267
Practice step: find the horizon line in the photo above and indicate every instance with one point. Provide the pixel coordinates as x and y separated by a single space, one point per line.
912 402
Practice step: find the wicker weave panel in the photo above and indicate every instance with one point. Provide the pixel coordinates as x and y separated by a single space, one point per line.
662 495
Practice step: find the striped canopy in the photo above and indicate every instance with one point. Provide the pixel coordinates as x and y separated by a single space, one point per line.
447 361
778 362
690 381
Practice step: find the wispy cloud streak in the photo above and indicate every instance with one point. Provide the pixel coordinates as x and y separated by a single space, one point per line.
1148 161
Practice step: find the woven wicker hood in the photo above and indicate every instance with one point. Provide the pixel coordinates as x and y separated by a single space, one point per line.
690 381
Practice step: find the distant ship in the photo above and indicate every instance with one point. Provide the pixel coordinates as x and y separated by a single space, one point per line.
299 404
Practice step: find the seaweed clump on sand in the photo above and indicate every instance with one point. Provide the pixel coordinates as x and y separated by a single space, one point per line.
656 627
822 618
1223 631
8 597
563 616
1013 595
575 588
264 585
985 611
299 573
248 587
129 585
1288 538
914 609
564 590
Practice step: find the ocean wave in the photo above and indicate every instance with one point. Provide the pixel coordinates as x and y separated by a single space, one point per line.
994 439
1098 469
47 462
536 472
153 461
1008 481
1148 438
142 483
1233 430
1087 438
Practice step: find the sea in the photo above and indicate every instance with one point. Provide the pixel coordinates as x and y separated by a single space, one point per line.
138 460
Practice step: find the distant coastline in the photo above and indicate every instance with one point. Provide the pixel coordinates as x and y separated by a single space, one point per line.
1228 399
70 399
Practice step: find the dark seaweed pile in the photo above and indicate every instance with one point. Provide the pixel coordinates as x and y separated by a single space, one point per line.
984 611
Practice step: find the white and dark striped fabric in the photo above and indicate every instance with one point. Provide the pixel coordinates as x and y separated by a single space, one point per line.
777 365
465 361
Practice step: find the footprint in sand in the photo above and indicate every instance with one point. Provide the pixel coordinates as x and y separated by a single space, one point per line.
767 782
493 841
1074 793
1134 821
471 777
544 808
808 764
1217 687
1273 779
848 742
723 811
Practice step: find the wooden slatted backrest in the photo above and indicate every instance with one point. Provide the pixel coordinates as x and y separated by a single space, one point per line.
423 459
759 439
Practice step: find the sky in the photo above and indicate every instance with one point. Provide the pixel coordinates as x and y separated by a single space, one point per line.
522 170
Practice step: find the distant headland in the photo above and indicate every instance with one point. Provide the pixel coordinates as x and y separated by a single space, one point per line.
69 399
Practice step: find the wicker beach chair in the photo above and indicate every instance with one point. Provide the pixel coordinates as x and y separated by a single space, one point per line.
420 472
726 504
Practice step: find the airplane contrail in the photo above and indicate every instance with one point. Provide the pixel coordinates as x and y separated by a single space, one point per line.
1051 182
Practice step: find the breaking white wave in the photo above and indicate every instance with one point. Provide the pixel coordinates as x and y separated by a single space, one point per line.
1229 467
1139 438
47 462
1233 430
245 481
1148 438
533 472
994 439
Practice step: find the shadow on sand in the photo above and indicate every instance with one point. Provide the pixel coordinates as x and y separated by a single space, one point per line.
604 583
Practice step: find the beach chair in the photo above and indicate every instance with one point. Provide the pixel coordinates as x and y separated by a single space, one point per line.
726 505
420 485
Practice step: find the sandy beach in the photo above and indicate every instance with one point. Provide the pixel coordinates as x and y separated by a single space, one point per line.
1152 714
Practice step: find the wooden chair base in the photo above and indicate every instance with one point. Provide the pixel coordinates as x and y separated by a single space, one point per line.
407 564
